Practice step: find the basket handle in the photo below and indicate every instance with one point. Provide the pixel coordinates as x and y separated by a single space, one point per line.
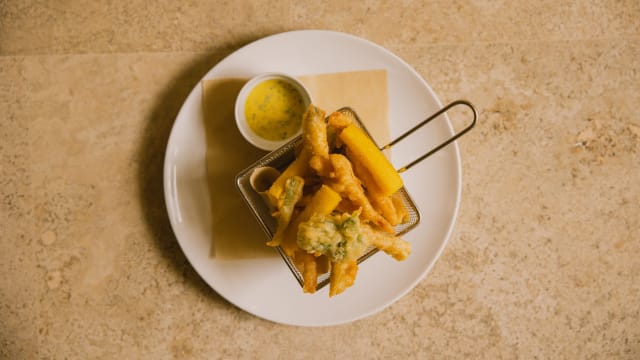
426 121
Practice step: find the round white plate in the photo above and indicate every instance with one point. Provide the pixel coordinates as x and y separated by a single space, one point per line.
265 287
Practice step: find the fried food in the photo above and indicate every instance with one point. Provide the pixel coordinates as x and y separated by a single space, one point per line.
382 204
332 209
314 130
365 151
324 201
309 269
343 275
343 239
343 181
336 236
288 199
392 245
338 121
299 167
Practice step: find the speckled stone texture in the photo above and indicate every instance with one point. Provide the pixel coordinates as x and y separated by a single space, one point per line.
545 258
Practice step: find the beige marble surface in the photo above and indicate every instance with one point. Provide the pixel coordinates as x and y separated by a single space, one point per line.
545 259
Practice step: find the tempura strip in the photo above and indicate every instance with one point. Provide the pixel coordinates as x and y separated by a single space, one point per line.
314 130
286 203
339 120
343 275
383 204
323 202
365 151
343 180
392 245
299 167
309 269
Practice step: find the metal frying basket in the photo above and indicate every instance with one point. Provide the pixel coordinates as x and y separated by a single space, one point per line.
283 156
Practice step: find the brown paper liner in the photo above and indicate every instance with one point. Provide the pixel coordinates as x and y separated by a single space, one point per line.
235 232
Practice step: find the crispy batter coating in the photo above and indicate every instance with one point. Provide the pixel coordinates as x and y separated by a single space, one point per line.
383 204
339 121
286 203
343 275
309 268
343 181
329 208
392 245
314 131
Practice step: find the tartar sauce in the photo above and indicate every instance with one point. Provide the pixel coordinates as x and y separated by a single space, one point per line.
274 110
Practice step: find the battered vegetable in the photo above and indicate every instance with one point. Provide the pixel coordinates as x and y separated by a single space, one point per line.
363 150
337 236
324 201
343 181
314 130
343 239
287 201
274 110
336 201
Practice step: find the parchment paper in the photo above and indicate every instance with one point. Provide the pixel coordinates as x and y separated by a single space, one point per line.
235 232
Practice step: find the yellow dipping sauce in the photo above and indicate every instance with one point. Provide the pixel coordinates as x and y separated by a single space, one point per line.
274 109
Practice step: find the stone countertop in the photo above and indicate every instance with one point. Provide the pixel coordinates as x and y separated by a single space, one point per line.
545 258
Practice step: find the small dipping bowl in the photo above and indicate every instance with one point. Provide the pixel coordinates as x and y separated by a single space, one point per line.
269 110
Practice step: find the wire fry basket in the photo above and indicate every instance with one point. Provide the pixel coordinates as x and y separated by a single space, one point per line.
283 156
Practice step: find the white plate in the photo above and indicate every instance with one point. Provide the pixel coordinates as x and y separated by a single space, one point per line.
265 287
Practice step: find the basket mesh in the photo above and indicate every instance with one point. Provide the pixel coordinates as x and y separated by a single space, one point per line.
280 159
